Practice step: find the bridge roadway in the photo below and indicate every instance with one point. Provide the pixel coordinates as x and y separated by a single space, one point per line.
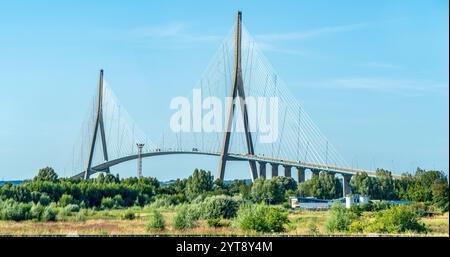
262 160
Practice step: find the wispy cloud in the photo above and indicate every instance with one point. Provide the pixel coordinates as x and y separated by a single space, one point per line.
266 47
405 87
174 32
310 33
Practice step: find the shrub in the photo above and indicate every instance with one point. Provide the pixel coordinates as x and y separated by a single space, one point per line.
81 215
44 199
339 218
286 205
118 201
380 205
219 206
214 223
184 219
261 218
107 203
357 226
419 209
312 228
62 215
163 201
72 208
276 219
12 210
66 200
49 213
156 221
36 211
129 215
397 219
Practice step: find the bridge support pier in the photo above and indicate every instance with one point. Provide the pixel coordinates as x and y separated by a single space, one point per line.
262 169
301 175
274 169
346 189
315 173
287 171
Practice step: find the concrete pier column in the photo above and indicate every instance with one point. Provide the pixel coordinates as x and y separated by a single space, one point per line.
287 171
346 189
301 175
262 169
274 169
315 173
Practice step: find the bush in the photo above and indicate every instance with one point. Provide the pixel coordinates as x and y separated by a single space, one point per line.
44 199
156 221
107 203
261 218
118 201
397 219
66 200
286 205
164 201
62 215
36 211
419 209
214 223
81 215
49 213
12 210
184 219
312 228
72 208
219 206
129 215
357 226
339 218
380 205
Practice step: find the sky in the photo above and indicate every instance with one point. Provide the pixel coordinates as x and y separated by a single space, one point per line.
373 75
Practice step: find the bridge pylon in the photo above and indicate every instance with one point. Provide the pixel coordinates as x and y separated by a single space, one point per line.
237 91
98 127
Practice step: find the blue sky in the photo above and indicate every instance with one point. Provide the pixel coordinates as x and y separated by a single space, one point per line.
373 75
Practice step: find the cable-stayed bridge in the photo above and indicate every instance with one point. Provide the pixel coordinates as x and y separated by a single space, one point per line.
238 72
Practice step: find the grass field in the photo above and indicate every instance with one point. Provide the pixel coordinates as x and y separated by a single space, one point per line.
302 223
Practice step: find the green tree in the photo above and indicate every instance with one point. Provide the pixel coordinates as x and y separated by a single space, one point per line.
440 196
386 184
258 191
328 186
274 191
324 186
198 183
360 183
46 174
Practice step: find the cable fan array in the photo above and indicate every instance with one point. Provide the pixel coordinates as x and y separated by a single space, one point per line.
294 136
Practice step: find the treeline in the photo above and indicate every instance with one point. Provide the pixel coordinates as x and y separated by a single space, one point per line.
109 191
424 186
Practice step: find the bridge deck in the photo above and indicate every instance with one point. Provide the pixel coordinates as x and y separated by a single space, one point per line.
237 157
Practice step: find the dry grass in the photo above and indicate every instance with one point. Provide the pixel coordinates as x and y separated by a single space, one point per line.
110 223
